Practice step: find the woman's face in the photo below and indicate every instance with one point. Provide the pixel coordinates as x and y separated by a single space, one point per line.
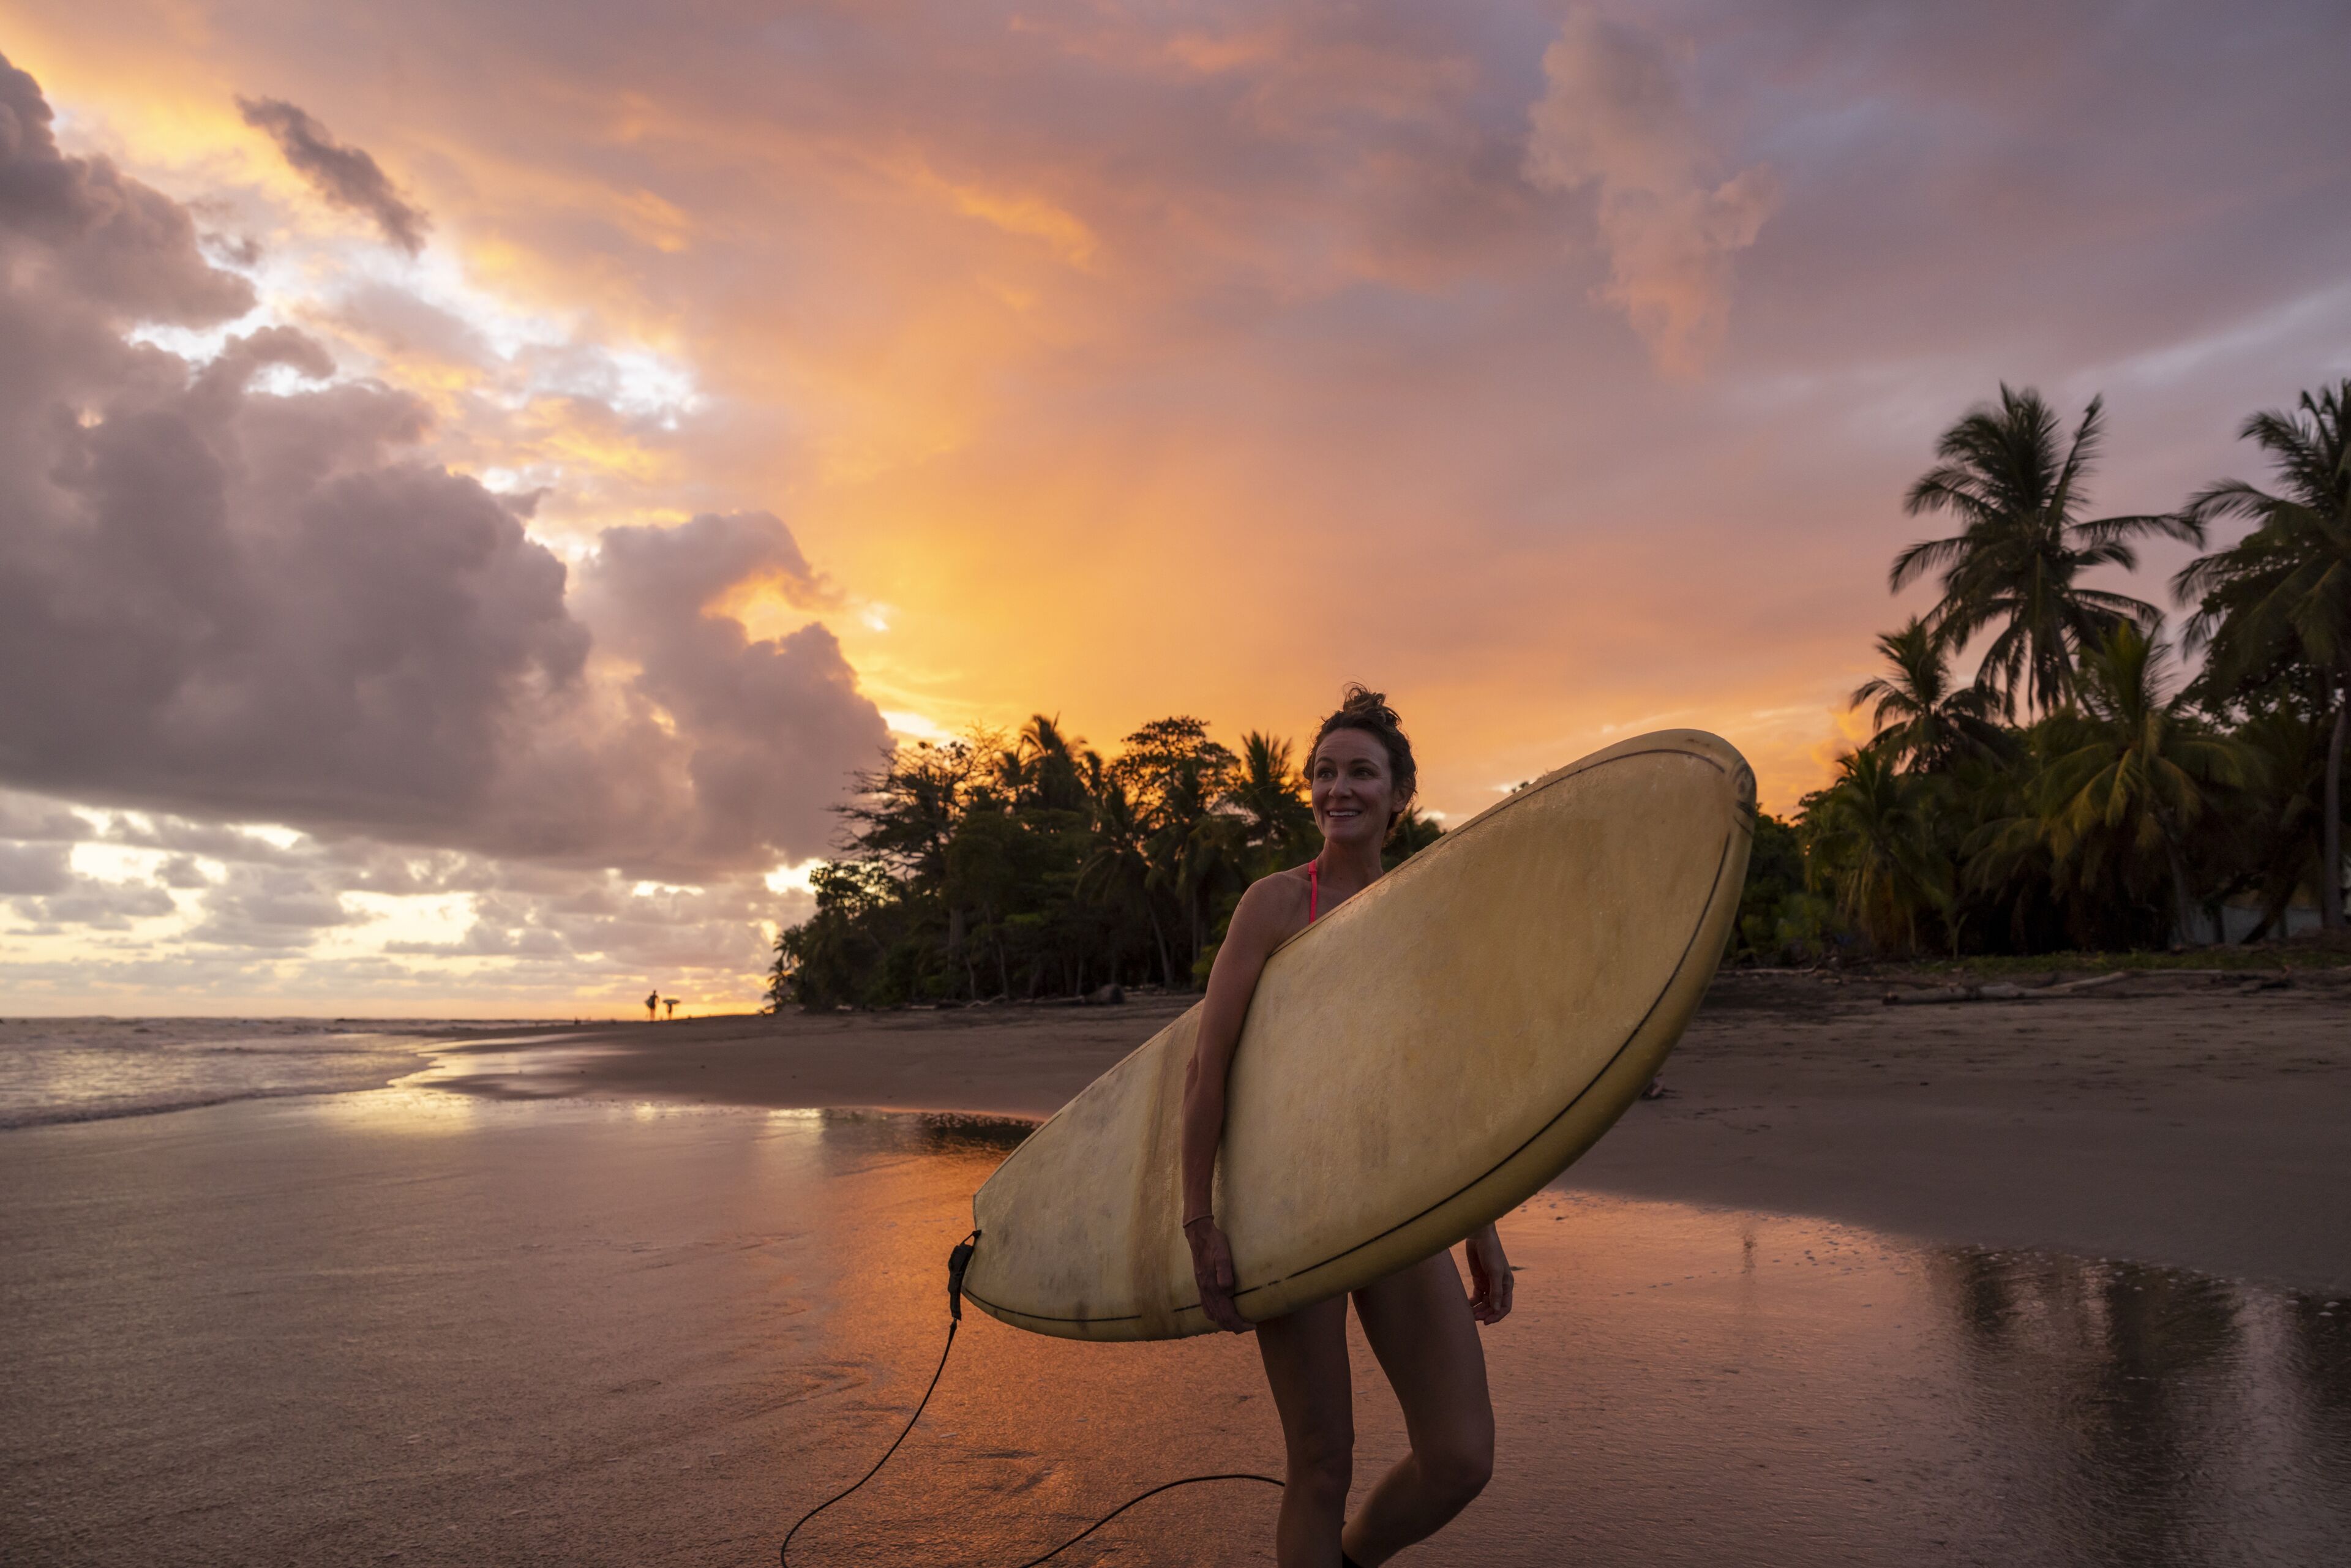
1352 792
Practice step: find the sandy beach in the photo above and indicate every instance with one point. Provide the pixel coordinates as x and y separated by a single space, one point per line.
2173 1118
2045 1283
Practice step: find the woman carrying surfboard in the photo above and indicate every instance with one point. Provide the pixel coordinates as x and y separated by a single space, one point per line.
1420 1322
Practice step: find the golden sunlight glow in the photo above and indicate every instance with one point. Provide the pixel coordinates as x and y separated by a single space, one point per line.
1259 363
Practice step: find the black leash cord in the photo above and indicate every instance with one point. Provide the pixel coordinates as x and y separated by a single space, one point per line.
958 1262
1122 1508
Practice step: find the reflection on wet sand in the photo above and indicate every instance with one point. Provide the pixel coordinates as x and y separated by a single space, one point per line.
1679 1380
598 1332
2180 1418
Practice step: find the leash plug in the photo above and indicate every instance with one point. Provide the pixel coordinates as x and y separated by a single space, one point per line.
958 1262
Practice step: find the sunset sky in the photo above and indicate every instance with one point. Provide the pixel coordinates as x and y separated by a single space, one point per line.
475 477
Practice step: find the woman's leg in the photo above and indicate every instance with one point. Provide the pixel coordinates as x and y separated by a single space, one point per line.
1419 1326
1305 1358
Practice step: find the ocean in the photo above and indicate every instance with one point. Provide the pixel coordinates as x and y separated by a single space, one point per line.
89 1069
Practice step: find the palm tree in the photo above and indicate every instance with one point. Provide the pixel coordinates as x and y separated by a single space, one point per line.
1271 795
2286 588
2023 547
1191 845
1872 840
1120 868
2275 831
2121 791
1049 770
1919 717
1413 832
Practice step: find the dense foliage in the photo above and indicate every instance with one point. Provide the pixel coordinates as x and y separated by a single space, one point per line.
1030 866
2082 789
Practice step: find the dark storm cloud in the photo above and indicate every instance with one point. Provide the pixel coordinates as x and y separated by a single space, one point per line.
258 605
346 176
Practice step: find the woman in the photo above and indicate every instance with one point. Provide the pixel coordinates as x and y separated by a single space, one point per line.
1420 1324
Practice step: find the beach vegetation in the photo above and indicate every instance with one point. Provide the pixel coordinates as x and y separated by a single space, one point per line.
2081 790
2015 567
1033 866
2093 785
2274 609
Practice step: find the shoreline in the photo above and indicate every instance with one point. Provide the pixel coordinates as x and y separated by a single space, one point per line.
2171 1119
2182 1118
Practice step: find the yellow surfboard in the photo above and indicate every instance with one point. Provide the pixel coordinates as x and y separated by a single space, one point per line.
1414 1065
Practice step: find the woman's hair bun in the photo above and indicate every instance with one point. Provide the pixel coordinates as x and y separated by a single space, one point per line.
1360 707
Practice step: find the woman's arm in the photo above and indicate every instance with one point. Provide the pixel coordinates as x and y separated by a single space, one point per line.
1266 915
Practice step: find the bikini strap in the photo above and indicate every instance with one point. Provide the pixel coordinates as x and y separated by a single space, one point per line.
1313 887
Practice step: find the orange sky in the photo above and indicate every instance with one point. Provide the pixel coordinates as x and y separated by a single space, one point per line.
1558 368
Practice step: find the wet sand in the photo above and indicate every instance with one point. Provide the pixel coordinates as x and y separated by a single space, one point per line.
608 1304
2169 1120
413 1327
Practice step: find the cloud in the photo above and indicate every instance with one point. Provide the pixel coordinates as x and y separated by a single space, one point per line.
1613 116
1330 342
92 238
28 818
32 869
225 594
345 176
97 906
269 907
749 709
280 919
399 324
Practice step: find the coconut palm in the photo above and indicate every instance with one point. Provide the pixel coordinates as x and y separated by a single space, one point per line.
1194 843
1271 796
2286 588
1119 870
1919 717
1413 832
1873 842
1051 772
2121 791
2273 830
2017 562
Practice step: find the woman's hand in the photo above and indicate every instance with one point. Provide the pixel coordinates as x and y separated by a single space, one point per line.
1212 1270
1489 1273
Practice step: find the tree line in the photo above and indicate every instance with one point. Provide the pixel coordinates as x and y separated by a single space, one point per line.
1028 865
2083 788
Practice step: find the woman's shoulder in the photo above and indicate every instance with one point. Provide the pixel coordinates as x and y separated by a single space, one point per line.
1277 897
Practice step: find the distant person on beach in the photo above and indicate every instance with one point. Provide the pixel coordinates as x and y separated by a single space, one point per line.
671 1003
1421 1323
653 1008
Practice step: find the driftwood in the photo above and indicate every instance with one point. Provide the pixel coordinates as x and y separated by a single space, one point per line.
2001 993
2074 987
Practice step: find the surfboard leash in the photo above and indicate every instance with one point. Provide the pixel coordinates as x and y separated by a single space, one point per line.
958 1262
